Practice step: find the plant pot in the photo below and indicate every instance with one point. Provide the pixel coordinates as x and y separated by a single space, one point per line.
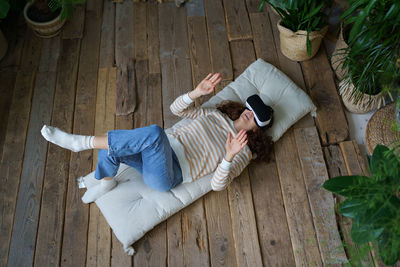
3 45
358 102
44 29
339 55
294 44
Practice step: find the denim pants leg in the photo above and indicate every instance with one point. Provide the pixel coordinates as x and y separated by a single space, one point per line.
146 149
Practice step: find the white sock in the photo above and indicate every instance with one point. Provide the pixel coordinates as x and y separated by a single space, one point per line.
93 193
72 142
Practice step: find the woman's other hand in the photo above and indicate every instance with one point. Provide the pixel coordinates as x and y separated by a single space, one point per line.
206 86
233 146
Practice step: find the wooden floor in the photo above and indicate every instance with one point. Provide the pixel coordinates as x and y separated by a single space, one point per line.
273 214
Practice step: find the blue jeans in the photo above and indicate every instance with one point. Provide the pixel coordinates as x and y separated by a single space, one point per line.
146 149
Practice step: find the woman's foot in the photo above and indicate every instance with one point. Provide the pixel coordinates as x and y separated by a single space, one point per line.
93 193
72 142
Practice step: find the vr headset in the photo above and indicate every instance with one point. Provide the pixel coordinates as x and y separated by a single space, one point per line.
262 113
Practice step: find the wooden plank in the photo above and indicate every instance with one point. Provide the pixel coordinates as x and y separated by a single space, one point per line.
107 43
175 240
222 85
242 56
219 228
12 157
76 213
124 33
73 28
140 30
7 78
99 233
142 75
321 86
50 229
263 38
174 57
299 218
26 219
153 41
14 32
126 100
195 8
199 52
248 252
237 20
124 122
321 201
252 7
273 232
31 54
118 255
218 40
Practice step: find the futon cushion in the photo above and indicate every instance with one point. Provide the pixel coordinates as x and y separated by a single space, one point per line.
132 208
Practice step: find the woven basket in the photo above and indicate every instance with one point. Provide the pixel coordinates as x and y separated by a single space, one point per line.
357 103
337 59
379 128
44 29
294 44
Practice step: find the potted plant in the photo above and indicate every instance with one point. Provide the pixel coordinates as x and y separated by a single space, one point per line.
302 26
4 7
366 53
373 202
46 17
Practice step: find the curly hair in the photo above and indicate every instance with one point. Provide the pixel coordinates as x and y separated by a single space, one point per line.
259 142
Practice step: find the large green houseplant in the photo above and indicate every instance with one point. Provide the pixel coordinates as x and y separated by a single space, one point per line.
302 26
366 63
373 202
46 17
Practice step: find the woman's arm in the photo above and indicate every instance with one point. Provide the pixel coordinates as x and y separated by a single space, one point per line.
180 107
235 161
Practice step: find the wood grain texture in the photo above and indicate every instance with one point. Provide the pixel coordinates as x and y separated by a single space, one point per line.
12 157
322 89
50 229
107 42
219 228
7 78
142 74
263 38
77 213
218 40
252 7
321 201
244 227
273 232
30 190
175 240
73 28
31 52
126 100
298 214
140 30
124 46
242 56
237 20
199 53
153 41
195 8
174 57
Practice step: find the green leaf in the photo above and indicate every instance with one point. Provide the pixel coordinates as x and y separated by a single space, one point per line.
353 207
364 233
389 246
352 186
261 6
4 7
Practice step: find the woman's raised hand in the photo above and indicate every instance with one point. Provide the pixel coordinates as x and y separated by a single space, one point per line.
207 85
233 146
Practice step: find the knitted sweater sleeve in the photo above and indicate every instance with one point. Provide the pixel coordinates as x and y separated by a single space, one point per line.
181 108
226 171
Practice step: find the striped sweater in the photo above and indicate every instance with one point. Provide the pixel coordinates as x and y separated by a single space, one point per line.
203 144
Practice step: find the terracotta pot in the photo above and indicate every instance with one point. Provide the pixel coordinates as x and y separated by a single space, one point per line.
338 56
357 102
44 29
294 44
3 45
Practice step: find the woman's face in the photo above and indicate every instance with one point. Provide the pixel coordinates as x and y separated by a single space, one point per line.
247 120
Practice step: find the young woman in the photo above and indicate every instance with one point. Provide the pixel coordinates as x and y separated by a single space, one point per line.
220 140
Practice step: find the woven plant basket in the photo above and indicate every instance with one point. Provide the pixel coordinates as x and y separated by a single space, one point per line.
359 103
44 29
294 44
3 45
338 56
